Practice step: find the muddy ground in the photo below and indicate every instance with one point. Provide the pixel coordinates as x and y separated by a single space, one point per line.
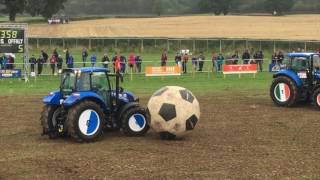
238 137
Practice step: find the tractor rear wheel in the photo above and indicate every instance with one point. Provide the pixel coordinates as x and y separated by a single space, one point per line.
135 121
284 92
50 120
85 121
316 98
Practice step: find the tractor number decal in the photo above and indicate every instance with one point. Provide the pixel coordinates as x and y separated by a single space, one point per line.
282 92
89 122
137 122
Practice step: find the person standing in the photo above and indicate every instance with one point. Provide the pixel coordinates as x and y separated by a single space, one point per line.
40 62
55 53
220 61
258 57
178 59
280 57
32 62
53 62
214 62
138 63
45 57
60 63
67 53
274 58
132 62
93 60
70 62
123 64
84 56
194 62
105 61
3 62
201 60
185 60
164 59
235 58
246 57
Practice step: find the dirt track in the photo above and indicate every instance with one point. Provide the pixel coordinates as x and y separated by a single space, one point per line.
237 138
295 27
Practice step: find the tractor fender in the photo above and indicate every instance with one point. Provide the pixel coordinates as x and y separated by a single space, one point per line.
78 97
290 74
52 99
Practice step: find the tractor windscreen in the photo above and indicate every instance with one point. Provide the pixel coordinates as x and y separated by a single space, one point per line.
299 63
68 83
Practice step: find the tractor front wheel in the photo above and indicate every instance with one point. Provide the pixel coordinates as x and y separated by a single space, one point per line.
50 119
85 121
316 98
135 121
284 92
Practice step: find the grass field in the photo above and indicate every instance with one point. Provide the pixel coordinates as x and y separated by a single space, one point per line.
294 27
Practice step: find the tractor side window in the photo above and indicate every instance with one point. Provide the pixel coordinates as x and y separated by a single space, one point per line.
83 82
99 82
316 62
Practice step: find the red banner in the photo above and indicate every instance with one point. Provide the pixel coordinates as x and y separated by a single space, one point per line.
240 69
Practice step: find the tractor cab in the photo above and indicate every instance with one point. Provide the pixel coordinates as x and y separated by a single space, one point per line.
298 81
89 101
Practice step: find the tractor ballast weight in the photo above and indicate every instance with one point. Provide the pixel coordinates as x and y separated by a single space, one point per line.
87 104
299 82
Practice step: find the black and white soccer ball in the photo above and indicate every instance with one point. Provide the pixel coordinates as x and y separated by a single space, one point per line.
174 111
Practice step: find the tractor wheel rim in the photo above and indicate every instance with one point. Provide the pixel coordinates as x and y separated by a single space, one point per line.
89 122
282 92
318 100
137 122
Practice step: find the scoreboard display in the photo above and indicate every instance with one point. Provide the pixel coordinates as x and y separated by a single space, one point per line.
12 40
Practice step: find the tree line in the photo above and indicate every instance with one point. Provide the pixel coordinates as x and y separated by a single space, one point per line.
47 8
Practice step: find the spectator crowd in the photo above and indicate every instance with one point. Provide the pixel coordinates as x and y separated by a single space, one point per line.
133 63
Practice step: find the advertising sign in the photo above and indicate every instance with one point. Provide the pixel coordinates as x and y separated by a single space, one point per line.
163 71
10 73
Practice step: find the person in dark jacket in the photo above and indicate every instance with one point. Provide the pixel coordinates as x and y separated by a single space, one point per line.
55 53
67 53
138 63
59 64
235 57
84 56
45 56
40 62
280 57
105 61
53 62
178 59
123 61
246 57
32 62
258 57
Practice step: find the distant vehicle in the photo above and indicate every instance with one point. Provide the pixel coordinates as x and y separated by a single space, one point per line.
59 20
298 82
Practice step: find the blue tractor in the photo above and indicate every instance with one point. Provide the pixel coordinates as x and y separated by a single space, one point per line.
90 101
298 82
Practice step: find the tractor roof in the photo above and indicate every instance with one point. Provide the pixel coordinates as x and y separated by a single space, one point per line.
87 70
307 54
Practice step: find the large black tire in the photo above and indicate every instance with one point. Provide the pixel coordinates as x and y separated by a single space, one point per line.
316 98
49 121
135 121
284 92
85 121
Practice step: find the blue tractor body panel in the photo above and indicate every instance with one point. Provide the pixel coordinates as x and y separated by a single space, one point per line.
290 74
53 98
81 96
